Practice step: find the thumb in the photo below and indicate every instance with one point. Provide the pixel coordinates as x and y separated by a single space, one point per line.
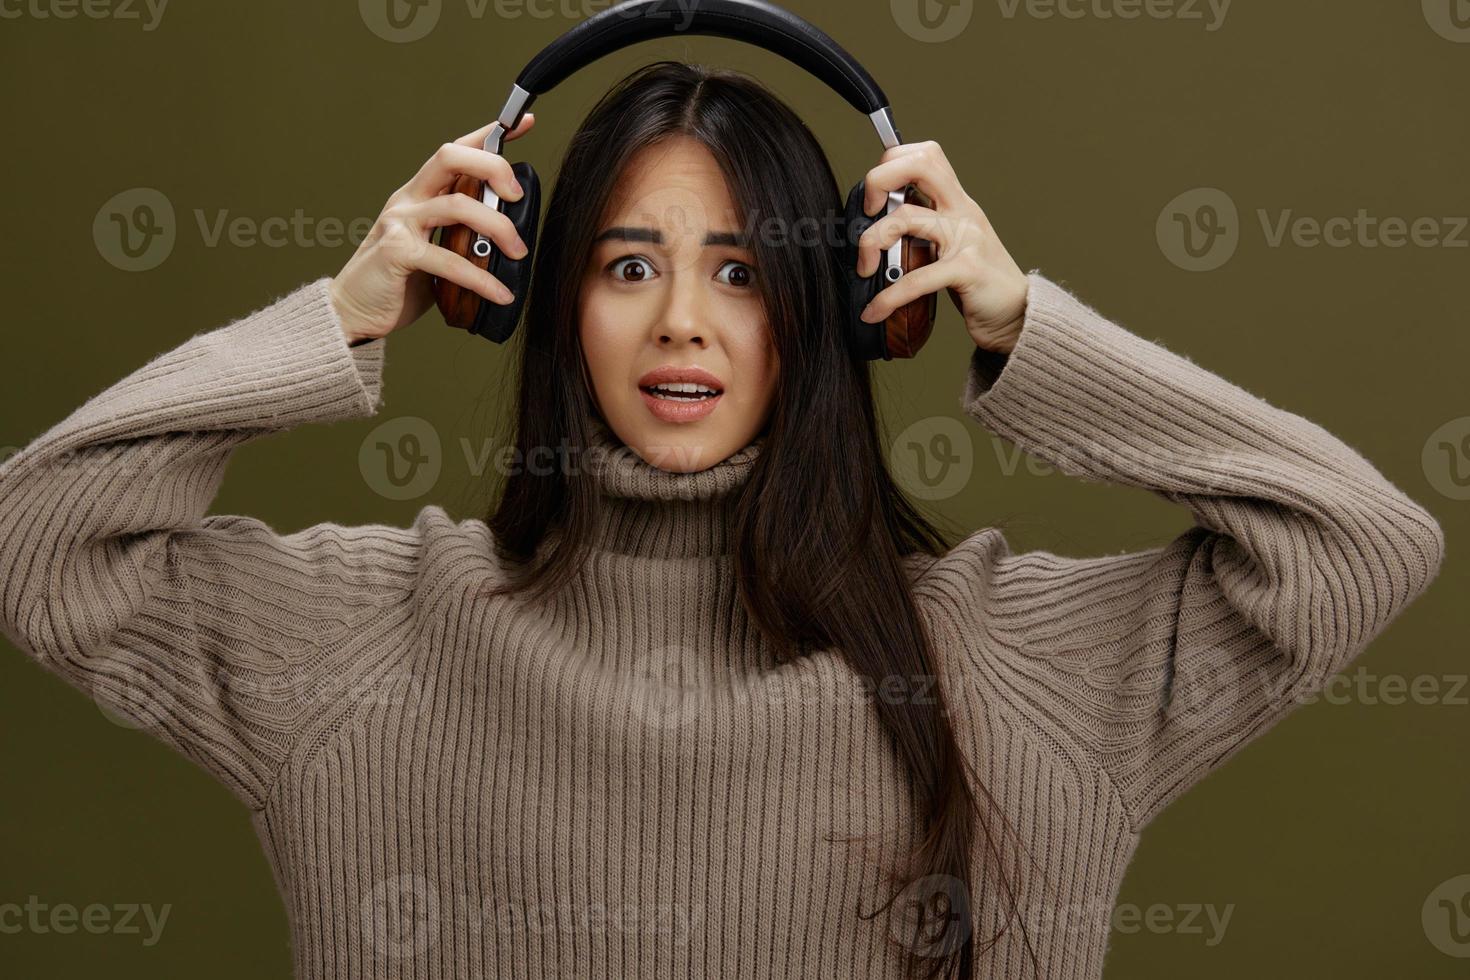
477 138
522 128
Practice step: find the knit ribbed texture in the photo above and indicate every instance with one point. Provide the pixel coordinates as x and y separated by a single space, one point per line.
622 781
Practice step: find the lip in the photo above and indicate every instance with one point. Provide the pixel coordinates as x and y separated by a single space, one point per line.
672 372
672 411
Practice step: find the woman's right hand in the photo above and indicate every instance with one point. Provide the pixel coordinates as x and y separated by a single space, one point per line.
386 284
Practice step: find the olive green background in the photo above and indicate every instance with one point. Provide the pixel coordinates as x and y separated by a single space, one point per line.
1324 839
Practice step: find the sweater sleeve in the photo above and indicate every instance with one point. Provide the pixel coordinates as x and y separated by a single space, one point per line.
213 633
1162 664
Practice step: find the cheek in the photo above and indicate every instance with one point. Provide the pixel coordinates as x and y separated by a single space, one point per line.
599 350
753 356
607 339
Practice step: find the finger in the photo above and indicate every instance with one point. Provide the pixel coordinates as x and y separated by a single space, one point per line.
477 138
923 164
448 209
452 159
875 197
439 261
921 282
896 151
907 219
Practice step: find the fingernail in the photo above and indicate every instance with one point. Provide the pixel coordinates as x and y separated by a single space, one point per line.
520 191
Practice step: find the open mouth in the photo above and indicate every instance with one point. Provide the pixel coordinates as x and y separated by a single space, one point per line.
682 391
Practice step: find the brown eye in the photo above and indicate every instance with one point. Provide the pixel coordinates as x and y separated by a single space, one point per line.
742 275
629 264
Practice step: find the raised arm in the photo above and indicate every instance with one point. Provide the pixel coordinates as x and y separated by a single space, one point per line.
217 634
214 633
1162 664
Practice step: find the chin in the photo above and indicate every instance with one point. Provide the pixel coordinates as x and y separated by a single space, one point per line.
682 448
680 452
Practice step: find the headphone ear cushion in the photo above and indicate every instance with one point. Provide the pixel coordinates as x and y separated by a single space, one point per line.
870 339
495 321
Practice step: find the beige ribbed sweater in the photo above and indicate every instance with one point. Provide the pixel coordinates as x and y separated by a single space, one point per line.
621 783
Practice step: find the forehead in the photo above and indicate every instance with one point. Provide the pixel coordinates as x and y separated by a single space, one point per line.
674 183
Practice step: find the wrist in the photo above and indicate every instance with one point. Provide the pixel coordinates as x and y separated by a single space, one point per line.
1012 333
339 308
1001 339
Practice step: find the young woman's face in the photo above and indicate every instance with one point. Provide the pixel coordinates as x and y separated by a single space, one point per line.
669 296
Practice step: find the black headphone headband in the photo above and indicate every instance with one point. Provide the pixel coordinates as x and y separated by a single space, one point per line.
752 21
755 22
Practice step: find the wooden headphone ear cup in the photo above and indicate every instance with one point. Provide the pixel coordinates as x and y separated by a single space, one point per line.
904 331
910 326
459 306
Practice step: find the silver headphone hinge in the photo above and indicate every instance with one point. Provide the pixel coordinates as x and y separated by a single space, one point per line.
509 118
887 131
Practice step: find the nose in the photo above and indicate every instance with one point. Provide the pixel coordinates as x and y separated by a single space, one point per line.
685 307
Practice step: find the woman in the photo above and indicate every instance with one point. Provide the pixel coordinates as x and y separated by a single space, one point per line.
704 695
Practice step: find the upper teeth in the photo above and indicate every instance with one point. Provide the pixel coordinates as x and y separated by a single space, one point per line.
688 387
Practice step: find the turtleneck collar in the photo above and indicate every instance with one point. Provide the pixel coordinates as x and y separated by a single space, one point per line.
655 512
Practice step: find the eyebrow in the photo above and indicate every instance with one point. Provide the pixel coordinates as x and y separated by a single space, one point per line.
657 238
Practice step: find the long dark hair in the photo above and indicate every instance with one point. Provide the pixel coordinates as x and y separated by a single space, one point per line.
820 562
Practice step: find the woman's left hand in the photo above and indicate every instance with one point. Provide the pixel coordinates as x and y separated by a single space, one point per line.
984 282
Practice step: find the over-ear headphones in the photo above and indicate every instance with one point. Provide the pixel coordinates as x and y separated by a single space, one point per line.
766 25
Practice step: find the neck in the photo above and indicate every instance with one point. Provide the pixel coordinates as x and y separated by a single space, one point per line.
658 513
